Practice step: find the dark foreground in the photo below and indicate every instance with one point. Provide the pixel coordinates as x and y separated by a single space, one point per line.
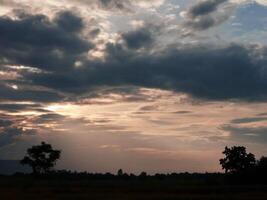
121 189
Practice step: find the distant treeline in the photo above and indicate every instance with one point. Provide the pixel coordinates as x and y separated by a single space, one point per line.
246 178
190 178
240 168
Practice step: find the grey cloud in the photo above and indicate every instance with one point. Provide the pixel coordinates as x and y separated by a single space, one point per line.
9 135
9 129
8 93
246 134
183 112
139 38
206 22
248 120
149 108
205 15
95 32
40 43
69 22
125 6
36 41
111 5
208 72
5 123
232 71
51 116
115 3
20 107
205 7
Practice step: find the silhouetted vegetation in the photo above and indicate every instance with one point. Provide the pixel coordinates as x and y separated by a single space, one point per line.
237 160
41 158
244 178
242 167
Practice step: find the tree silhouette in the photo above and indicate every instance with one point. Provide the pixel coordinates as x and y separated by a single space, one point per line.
41 158
262 163
120 172
237 159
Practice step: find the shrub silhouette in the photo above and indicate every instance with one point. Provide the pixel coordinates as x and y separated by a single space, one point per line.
41 158
237 160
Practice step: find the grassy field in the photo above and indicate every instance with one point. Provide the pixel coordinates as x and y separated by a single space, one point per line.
29 188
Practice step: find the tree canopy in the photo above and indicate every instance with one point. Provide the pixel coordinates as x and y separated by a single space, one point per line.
237 159
41 158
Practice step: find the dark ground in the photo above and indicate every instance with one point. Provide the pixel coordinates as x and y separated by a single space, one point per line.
66 188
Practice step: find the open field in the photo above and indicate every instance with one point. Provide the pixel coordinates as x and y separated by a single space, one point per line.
30 188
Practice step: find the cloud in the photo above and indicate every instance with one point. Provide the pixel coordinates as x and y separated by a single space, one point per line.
123 5
49 118
10 129
5 123
248 120
232 71
205 14
13 107
214 72
205 7
149 4
37 41
69 22
8 93
183 112
247 134
141 37
37 44
115 4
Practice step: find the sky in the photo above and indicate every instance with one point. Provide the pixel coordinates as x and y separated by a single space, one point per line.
143 85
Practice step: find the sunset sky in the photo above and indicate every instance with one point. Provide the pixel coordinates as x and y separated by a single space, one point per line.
142 85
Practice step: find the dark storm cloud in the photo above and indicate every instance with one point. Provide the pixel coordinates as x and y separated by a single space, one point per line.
205 7
37 41
205 15
209 72
214 72
69 22
204 71
138 38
